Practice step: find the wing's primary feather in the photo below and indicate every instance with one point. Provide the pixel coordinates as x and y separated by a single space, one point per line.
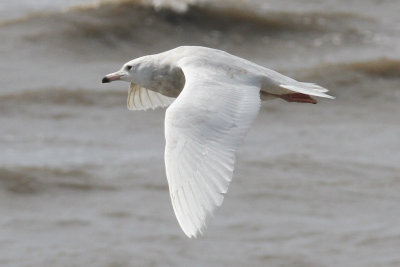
203 129
140 98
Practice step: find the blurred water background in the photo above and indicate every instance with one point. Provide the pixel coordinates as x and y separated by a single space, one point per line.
82 179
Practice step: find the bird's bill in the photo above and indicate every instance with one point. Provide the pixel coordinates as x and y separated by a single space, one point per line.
116 76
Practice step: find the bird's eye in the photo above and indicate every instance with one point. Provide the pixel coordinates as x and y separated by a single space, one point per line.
128 67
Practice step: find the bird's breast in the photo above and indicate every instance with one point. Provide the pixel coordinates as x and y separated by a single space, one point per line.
169 83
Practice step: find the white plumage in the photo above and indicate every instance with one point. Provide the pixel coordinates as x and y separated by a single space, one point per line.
218 98
140 98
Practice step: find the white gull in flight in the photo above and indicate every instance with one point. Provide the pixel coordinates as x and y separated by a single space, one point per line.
213 99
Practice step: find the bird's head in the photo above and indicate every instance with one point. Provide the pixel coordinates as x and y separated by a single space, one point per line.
139 71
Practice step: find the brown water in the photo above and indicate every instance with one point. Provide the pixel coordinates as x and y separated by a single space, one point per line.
82 179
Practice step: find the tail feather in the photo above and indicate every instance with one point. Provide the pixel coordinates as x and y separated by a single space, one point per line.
308 89
315 87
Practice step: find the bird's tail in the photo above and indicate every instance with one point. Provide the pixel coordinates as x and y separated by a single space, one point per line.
310 89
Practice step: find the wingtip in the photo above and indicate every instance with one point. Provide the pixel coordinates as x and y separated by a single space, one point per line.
194 235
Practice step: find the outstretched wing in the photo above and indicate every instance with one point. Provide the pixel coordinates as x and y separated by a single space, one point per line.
140 98
203 129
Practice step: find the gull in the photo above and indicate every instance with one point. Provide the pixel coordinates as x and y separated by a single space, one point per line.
213 99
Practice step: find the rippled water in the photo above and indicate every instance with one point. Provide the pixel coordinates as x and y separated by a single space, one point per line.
82 179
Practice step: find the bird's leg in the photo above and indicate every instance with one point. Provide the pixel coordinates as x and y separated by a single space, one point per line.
298 97
294 97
